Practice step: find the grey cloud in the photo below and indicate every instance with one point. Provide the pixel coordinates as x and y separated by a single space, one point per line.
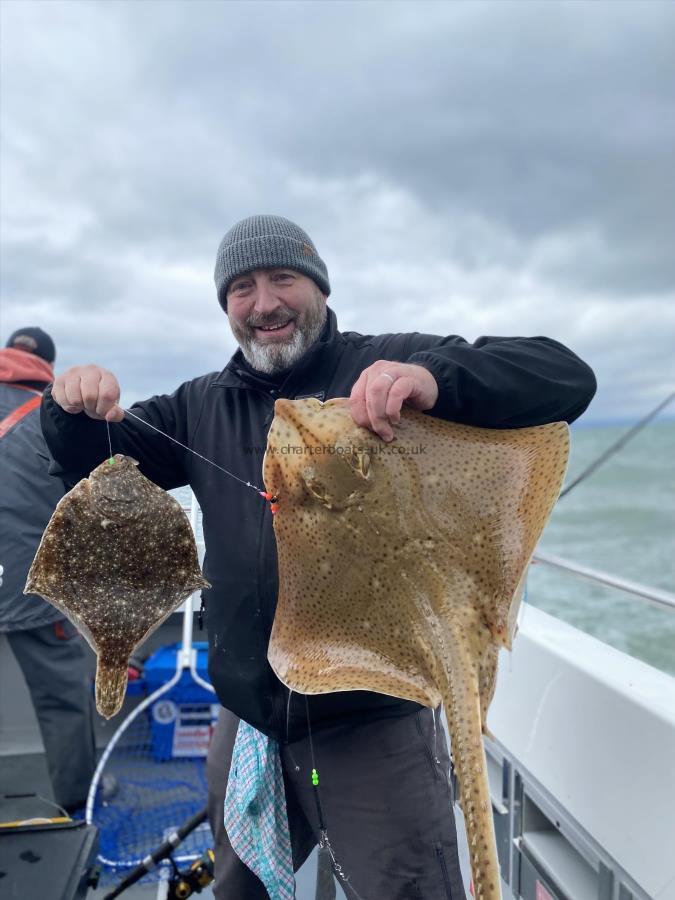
540 119
459 166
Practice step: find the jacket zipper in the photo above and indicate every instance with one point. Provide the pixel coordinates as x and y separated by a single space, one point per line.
444 871
429 755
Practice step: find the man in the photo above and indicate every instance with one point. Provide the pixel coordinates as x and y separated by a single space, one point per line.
384 761
47 647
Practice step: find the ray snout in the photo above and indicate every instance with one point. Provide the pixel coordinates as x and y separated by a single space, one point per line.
283 408
293 423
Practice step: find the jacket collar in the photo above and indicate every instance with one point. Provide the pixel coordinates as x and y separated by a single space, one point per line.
22 366
238 373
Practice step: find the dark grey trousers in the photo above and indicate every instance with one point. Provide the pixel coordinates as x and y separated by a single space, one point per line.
54 663
386 801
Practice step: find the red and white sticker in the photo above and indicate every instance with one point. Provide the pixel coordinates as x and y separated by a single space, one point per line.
191 740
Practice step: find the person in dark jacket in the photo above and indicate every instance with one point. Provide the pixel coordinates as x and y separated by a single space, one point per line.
47 647
384 761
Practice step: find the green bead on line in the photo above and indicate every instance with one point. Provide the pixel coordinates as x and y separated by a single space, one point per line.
111 461
315 778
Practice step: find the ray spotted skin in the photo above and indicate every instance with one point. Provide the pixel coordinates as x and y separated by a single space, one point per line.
401 567
117 557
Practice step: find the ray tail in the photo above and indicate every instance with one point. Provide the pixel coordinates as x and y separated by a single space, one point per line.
111 685
461 698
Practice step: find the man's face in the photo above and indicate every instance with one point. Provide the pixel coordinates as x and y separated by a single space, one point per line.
275 316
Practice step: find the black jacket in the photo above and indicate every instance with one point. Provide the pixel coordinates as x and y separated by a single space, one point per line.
495 382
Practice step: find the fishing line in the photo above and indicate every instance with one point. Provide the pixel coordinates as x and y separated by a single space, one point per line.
324 842
315 774
617 445
248 484
110 458
288 714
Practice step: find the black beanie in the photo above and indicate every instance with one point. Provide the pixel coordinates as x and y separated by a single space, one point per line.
33 340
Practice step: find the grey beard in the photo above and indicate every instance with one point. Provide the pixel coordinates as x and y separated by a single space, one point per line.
272 358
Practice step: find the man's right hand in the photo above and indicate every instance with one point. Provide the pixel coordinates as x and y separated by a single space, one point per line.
89 389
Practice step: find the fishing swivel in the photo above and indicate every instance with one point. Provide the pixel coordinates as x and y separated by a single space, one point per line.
273 500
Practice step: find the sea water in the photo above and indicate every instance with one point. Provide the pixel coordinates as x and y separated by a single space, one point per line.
620 520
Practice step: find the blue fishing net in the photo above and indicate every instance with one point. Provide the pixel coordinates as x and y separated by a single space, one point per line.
151 785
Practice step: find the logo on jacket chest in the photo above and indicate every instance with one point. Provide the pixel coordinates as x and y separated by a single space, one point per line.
319 395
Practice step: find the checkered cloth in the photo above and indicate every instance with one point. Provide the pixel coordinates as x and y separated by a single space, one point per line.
255 814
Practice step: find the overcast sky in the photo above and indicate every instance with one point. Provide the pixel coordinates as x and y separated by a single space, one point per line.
465 168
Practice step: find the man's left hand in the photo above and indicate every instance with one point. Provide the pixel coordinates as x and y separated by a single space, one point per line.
382 389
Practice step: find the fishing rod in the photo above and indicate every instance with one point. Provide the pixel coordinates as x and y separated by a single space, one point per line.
164 851
617 445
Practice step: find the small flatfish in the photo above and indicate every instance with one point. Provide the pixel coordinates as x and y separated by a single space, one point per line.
117 557
401 567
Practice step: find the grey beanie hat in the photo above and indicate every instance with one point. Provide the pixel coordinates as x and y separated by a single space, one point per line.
262 242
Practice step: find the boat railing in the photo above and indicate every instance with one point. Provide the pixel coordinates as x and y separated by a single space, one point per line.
654 596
